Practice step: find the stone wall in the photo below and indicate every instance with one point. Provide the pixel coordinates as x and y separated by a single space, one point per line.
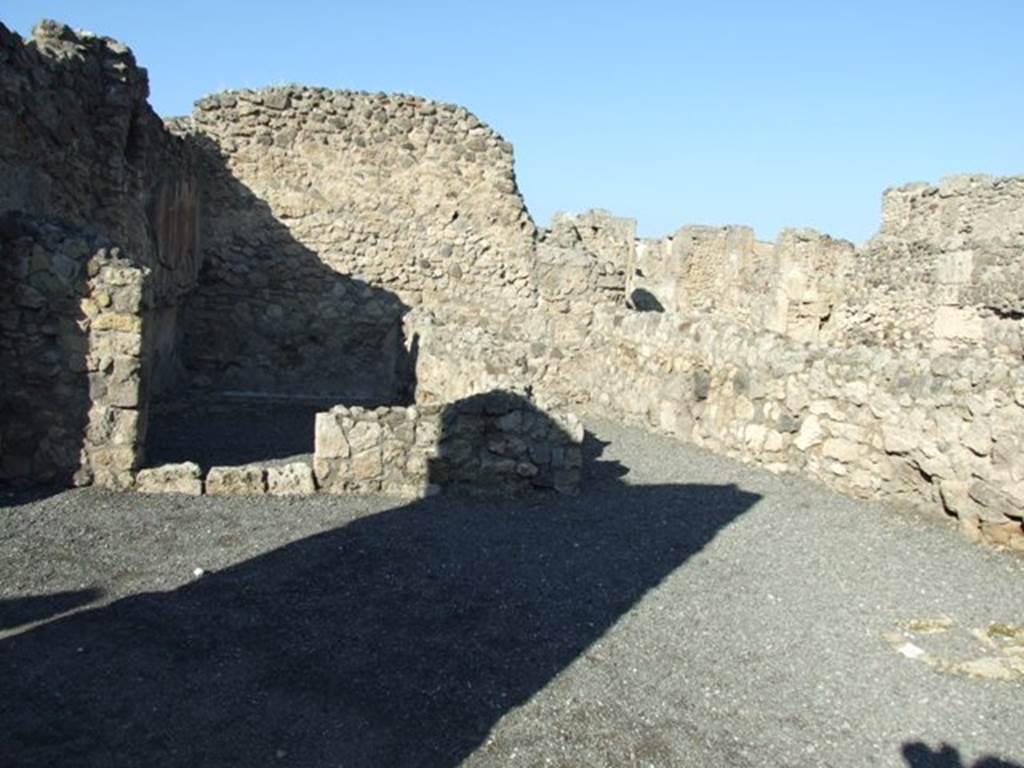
100 209
376 450
71 343
803 285
328 215
607 241
492 442
938 432
454 358
944 270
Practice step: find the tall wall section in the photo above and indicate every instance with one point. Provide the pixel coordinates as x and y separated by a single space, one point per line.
944 270
885 375
762 351
97 225
328 215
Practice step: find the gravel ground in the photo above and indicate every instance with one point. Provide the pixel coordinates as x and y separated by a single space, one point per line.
685 610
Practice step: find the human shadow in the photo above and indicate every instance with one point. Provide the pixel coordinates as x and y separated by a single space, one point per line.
398 639
920 755
18 611
499 441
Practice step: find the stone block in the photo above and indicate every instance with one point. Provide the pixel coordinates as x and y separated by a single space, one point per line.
329 437
994 505
810 433
978 437
182 478
898 440
364 435
295 479
840 450
236 481
958 323
112 321
367 465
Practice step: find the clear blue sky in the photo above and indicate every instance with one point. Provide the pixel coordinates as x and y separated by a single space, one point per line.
764 113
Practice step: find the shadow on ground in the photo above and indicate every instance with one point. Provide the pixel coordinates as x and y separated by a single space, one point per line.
19 611
398 639
920 755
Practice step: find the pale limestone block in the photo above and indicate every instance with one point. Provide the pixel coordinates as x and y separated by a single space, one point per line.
170 478
958 323
329 438
841 449
364 435
367 465
235 481
810 434
295 479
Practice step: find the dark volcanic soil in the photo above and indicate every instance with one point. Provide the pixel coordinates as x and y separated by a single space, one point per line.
685 610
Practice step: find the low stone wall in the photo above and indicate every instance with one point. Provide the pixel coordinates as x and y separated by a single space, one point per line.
379 450
492 442
942 432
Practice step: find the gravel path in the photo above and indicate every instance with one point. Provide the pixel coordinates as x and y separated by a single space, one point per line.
686 610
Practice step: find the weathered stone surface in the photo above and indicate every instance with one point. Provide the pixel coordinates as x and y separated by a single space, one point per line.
185 478
390 203
330 441
236 481
493 442
295 479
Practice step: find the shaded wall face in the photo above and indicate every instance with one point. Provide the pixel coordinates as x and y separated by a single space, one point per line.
329 213
81 143
45 397
72 407
270 316
172 214
99 238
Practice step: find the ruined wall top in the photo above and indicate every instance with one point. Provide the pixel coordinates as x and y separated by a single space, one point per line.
80 143
964 208
391 189
68 99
